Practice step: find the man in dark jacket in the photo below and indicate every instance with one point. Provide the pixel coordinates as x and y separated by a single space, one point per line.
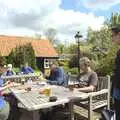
57 75
116 76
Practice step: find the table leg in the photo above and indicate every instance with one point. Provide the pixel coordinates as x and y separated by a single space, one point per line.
36 115
71 111
30 115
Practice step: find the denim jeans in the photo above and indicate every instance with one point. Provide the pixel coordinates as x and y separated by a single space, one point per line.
117 108
4 112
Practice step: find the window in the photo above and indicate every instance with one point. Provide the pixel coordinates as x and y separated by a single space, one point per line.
46 63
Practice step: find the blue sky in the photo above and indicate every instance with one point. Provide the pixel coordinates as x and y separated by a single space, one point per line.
31 17
78 5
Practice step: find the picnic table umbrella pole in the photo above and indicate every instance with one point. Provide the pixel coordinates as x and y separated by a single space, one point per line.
77 38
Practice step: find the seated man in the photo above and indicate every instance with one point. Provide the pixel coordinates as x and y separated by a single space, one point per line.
9 97
4 105
88 78
27 69
57 75
9 70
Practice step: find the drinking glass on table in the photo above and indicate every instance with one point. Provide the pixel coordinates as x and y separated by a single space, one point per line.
46 91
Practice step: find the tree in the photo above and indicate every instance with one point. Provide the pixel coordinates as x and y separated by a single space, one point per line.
73 61
60 48
22 54
51 35
71 49
115 19
101 38
106 64
30 57
102 44
2 59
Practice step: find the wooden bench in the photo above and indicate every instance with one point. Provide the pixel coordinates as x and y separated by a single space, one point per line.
96 100
18 78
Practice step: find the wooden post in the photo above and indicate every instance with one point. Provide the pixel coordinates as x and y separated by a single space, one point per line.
108 97
90 108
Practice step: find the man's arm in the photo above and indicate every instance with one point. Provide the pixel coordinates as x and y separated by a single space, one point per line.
87 89
92 83
6 85
3 88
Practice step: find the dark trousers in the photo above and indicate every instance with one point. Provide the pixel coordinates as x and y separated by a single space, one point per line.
117 108
14 110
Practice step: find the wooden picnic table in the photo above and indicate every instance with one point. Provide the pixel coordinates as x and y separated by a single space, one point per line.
19 76
33 101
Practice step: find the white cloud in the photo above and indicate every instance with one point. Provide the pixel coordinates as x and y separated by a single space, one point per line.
19 17
100 4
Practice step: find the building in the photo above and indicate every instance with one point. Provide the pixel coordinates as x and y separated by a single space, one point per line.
44 51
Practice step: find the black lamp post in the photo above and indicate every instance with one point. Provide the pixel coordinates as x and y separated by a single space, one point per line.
77 37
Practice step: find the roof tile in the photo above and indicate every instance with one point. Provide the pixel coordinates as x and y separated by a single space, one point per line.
43 48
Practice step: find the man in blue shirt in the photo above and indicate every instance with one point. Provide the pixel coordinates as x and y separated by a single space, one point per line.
57 75
4 106
27 69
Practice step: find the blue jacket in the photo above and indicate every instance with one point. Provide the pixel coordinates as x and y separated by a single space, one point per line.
9 73
57 76
27 70
2 101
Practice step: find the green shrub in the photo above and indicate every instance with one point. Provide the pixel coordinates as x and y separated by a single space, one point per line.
22 54
16 70
2 60
73 61
73 70
106 64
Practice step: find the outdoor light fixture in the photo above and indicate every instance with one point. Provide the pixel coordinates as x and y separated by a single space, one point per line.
77 37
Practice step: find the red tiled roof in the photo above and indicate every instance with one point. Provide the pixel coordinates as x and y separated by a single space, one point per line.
43 48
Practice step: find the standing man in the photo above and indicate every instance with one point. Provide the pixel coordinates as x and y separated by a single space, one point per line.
116 76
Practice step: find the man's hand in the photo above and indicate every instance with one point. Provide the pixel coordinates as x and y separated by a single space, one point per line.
9 84
6 85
